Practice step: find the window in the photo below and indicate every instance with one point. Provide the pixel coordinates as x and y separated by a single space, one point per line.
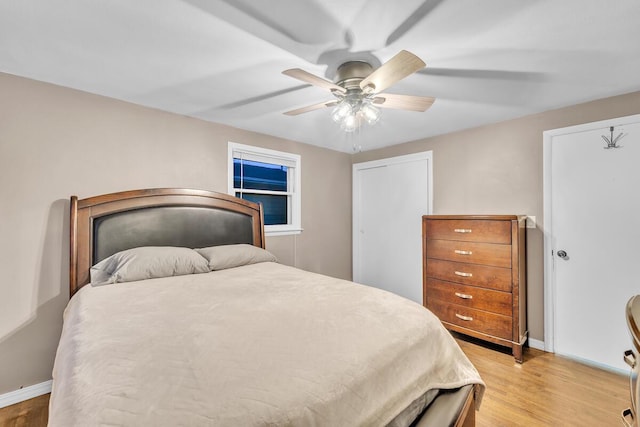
269 177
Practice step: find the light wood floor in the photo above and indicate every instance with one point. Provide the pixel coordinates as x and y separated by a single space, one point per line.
546 390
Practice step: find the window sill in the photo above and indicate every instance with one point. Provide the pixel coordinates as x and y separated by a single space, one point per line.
281 231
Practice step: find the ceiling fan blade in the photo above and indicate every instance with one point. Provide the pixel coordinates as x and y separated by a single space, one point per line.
307 77
403 102
311 108
278 23
253 99
419 14
397 68
484 74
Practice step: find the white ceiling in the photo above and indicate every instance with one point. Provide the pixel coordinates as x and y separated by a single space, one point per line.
221 60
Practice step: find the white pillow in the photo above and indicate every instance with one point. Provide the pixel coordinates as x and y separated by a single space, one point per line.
229 256
147 262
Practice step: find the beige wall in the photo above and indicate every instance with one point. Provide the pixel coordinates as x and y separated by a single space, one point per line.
56 142
497 169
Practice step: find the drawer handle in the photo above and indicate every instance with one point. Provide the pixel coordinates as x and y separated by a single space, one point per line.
460 273
465 318
462 230
630 358
464 296
459 252
627 417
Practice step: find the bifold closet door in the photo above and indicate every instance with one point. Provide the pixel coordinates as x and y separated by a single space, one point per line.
389 198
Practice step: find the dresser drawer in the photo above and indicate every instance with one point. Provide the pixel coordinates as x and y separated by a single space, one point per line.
470 296
470 274
473 230
471 252
477 320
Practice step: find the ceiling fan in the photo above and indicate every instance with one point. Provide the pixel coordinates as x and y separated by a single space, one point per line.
358 90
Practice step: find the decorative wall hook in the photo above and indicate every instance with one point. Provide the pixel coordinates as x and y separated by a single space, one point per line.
611 141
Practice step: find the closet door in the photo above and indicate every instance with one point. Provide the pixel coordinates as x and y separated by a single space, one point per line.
389 198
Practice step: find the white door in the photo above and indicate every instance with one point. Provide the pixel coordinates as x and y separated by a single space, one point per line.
389 198
595 198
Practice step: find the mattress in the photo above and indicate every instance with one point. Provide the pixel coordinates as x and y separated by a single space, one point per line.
257 345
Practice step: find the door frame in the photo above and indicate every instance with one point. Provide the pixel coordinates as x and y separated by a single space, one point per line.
549 237
355 225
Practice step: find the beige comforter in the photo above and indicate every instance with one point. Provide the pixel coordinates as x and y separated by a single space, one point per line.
258 345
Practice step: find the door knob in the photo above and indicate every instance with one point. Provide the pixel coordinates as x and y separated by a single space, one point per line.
563 254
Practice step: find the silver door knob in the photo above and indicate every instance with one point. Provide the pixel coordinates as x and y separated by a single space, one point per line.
563 254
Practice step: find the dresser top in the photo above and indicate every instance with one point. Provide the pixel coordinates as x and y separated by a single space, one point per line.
481 217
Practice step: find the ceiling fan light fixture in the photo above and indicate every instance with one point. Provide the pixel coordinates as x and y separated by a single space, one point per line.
342 110
370 113
350 123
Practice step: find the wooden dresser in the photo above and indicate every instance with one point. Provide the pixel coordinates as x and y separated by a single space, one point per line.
474 276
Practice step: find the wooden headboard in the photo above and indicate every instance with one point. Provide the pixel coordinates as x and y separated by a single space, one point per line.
104 225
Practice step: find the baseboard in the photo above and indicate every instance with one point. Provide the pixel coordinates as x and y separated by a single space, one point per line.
537 344
25 393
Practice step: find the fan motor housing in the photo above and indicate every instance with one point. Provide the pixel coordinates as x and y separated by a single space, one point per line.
350 74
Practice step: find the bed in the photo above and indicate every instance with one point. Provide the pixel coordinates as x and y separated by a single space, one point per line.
211 330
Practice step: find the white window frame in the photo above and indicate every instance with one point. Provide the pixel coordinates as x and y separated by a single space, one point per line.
294 165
